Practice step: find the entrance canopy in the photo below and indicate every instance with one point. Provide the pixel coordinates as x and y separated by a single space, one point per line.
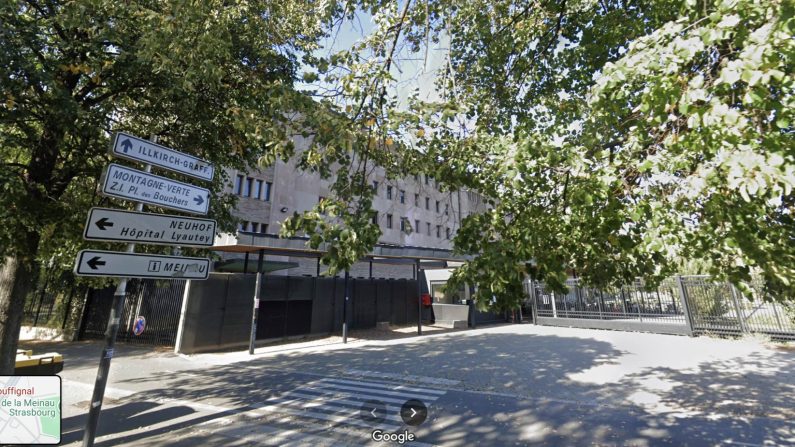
421 258
268 244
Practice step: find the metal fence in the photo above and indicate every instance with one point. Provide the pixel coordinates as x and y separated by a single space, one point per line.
684 304
720 308
52 304
158 301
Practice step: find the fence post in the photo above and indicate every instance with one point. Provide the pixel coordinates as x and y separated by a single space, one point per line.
534 305
81 322
554 306
685 305
737 307
68 307
600 304
183 312
778 319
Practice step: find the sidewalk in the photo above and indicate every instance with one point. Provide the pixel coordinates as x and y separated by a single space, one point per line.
356 338
544 371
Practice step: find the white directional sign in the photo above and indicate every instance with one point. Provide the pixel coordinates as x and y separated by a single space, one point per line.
140 265
131 184
118 225
137 149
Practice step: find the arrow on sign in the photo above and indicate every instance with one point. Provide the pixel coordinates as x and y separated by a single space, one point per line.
95 262
126 145
199 200
103 223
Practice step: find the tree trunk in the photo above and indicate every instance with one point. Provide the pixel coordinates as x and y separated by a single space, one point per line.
16 276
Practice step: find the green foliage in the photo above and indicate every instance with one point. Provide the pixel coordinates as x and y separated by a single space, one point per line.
343 233
615 139
702 108
210 78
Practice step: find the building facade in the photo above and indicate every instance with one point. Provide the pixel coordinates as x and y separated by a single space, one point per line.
411 212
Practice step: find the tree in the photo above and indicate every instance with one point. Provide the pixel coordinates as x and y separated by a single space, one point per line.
212 78
614 139
678 147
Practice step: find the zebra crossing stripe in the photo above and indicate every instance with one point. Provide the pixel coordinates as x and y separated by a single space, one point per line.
351 418
335 406
386 386
403 377
375 391
364 396
339 401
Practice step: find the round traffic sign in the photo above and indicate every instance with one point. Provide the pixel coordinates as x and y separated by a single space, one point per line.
139 326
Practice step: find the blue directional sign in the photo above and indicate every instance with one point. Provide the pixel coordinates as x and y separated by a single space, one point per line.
137 149
139 186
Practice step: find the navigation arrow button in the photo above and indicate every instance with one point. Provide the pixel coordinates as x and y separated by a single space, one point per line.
103 223
373 411
413 412
95 262
199 200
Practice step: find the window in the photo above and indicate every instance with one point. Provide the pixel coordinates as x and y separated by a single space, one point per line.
238 184
416 225
426 178
439 231
441 294
417 178
447 232
437 206
242 226
263 228
254 227
416 200
375 187
389 221
267 195
247 187
402 196
427 203
403 226
374 217
258 190
428 227
446 209
389 192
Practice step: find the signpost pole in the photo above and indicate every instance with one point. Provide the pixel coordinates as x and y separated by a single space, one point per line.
143 187
255 313
345 309
110 342
419 299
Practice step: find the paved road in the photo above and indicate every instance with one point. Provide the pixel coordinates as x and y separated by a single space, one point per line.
506 385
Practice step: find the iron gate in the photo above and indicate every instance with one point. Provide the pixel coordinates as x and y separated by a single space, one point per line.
690 305
158 301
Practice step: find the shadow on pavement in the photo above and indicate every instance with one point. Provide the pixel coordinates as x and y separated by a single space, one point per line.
533 397
87 353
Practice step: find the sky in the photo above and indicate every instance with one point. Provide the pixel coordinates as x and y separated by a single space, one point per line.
412 71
